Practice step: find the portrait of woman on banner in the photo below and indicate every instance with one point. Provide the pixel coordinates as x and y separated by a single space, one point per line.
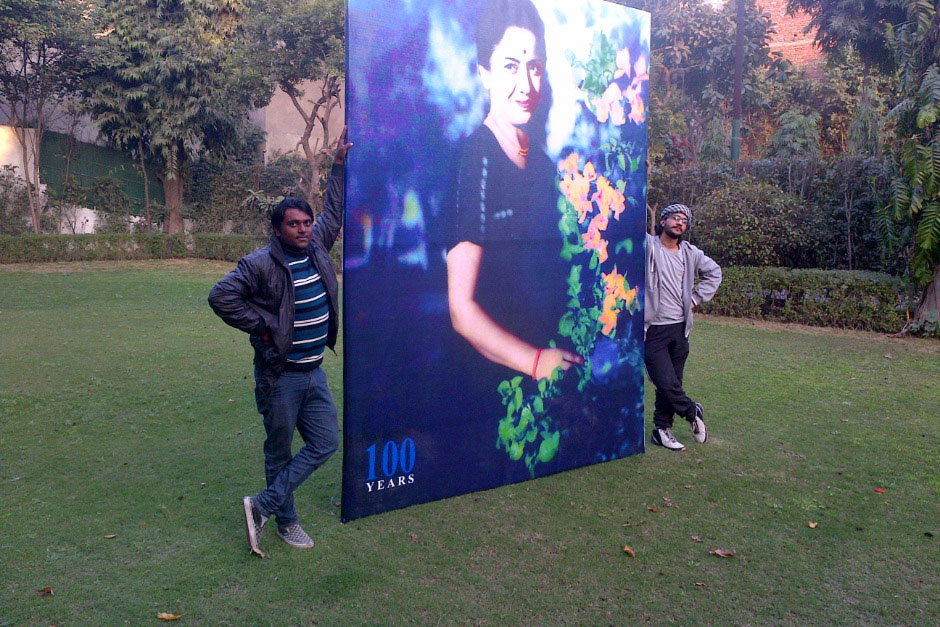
505 279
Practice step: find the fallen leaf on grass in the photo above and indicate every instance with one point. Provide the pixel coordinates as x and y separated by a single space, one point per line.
689 486
700 584
629 551
697 539
880 490
168 616
631 524
44 591
414 537
653 508
812 525
723 553
889 356
231 400
667 501
110 536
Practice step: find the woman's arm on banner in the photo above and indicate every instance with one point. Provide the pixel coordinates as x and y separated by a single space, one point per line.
490 339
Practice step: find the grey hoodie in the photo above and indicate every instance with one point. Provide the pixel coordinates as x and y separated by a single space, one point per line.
698 265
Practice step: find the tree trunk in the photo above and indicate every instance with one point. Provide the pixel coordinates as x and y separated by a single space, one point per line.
173 191
930 298
31 176
173 188
143 172
321 111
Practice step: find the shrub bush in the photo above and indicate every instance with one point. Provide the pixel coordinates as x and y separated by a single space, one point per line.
752 223
127 246
829 298
14 206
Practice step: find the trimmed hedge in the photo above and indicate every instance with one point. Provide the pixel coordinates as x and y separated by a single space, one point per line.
830 298
128 246
827 298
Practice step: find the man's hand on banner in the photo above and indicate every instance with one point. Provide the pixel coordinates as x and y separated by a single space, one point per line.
341 148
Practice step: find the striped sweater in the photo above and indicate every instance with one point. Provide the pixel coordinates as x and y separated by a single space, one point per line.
311 315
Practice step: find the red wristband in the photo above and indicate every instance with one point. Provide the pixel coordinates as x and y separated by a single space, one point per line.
535 366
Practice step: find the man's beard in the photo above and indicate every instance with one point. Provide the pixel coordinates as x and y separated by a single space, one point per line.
670 233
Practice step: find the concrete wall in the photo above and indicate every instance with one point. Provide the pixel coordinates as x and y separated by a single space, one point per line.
284 126
11 153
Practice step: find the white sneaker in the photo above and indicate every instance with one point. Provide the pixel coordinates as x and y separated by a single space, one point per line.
699 432
254 524
664 438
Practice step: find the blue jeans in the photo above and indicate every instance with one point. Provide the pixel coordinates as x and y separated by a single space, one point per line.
298 400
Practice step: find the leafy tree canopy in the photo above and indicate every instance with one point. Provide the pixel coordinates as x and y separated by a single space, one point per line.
299 46
41 52
167 79
856 23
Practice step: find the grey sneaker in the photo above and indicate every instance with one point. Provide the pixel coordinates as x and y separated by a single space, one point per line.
294 535
699 432
254 524
664 438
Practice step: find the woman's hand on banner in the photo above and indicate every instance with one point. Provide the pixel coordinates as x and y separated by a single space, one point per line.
551 358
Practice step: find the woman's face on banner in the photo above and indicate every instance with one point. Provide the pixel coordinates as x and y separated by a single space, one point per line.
514 79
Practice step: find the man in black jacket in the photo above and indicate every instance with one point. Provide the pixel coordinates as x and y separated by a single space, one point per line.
285 297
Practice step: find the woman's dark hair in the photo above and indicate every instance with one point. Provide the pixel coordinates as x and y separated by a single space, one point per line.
499 15
291 202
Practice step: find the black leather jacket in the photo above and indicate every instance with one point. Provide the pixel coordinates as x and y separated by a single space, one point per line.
258 295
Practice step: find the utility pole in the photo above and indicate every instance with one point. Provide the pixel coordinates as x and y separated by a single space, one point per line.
738 80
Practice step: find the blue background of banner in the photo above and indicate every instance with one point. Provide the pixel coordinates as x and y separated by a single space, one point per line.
412 418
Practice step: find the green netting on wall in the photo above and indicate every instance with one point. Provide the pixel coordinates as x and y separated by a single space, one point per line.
62 155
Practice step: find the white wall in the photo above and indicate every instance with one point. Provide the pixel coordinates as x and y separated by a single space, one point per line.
11 153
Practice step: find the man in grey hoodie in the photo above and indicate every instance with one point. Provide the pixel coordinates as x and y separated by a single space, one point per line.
679 276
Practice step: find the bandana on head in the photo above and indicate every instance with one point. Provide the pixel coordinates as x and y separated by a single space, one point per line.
675 208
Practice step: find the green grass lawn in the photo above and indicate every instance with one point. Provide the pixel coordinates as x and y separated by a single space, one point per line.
127 410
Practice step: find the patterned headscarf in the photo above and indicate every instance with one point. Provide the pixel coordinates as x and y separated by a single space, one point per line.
674 208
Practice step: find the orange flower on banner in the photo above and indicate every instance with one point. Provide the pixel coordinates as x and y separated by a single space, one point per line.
569 165
641 70
632 93
608 197
594 241
599 222
589 172
617 113
609 314
615 284
623 63
603 105
630 296
576 188
637 109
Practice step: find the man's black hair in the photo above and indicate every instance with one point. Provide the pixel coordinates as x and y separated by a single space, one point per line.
291 202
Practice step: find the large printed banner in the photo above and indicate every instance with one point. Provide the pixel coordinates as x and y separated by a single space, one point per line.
495 214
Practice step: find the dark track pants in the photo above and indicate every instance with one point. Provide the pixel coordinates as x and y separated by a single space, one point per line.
667 348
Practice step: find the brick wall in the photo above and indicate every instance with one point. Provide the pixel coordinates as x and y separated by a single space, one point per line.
790 40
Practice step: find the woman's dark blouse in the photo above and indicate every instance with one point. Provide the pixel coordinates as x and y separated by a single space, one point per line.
512 214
